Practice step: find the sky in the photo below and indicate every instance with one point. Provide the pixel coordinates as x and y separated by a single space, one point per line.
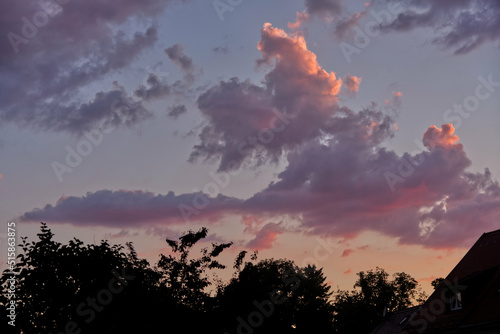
346 134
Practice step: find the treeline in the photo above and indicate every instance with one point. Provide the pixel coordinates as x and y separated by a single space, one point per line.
102 288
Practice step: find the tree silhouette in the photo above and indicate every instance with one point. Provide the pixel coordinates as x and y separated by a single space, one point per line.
276 296
186 279
102 288
359 311
436 282
68 285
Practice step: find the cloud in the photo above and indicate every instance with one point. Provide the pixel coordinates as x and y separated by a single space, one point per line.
301 17
347 252
395 101
128 208
321 7
351 84
461 26
121 234
176 54
176 111
113 107
252 223
327 10
438 203
266 237
161 232
265 233
348 271
81 44
343 26
221 49
156 89
443 137
248 123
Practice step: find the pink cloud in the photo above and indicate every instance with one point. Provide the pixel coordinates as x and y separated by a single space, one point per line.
443 137
252 223
347 252
396 99
437 204
351 83
295 85
300 19
295 62
266 237
348 271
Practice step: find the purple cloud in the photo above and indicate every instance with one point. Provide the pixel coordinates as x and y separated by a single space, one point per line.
462 26
253 124
80 43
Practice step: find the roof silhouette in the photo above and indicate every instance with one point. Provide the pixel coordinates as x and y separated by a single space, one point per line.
469 297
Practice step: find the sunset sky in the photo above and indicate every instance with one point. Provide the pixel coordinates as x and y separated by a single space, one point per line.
353 134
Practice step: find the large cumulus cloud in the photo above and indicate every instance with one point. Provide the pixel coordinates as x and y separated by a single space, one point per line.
236 111
344 191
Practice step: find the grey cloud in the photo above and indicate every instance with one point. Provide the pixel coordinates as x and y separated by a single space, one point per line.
176 54
176 111
221 49
127 208
461 26
323 7
157 88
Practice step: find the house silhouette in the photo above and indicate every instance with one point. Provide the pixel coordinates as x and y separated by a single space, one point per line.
467 301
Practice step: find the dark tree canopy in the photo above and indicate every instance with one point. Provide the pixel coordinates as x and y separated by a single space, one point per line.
436 282
186 279
102 288
58 284
360 310
276 296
